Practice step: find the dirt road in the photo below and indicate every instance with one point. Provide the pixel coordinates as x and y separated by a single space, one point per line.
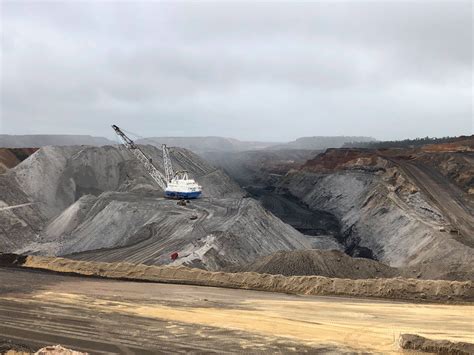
110 316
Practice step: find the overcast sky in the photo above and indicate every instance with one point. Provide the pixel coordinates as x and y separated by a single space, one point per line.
254 71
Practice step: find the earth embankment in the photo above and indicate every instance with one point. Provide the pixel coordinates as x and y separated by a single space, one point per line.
394 288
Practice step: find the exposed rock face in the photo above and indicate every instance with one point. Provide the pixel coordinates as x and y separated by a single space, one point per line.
458 167
383 214
99 202
11 157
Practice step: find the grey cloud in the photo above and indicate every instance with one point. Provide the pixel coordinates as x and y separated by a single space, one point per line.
250 70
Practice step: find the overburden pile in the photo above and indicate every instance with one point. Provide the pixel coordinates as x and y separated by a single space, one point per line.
329 263
98 203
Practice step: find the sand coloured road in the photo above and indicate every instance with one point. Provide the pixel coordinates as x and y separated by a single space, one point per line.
249 319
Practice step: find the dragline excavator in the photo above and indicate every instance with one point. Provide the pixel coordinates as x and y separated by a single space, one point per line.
175 185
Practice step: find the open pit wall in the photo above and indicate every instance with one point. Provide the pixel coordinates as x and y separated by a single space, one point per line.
392 288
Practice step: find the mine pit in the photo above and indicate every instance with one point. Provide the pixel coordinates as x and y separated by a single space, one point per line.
81 217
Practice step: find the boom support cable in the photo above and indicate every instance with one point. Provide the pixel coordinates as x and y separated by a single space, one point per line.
146 161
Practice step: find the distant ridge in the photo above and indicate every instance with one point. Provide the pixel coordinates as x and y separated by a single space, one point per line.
196 144
206 144
322 142
412 143
41 140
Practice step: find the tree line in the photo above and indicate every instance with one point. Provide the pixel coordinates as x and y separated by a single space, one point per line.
406 143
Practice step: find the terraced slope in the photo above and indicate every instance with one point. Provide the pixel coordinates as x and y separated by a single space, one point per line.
207 234
456 206
394 210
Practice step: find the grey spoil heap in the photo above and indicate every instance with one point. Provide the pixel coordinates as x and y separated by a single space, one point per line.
99 203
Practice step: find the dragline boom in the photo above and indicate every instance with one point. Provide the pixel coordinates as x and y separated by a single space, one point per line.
169 172
142 158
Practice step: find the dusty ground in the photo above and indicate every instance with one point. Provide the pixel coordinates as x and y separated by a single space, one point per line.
128 317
